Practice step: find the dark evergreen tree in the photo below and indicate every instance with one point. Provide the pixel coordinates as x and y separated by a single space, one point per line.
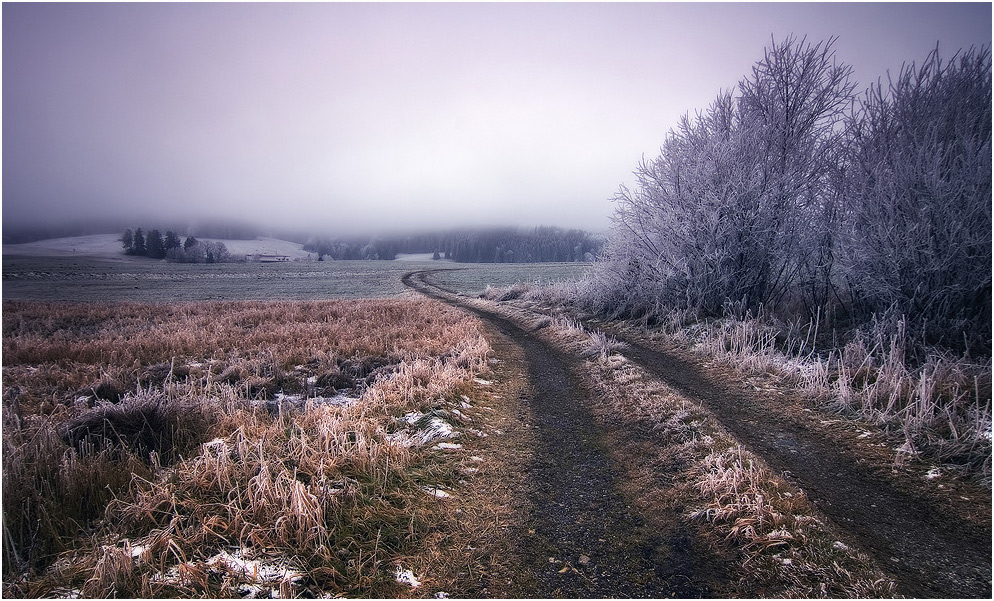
139 243
171 241
154 246
128 241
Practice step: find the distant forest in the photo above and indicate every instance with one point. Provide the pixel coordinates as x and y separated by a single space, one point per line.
492 245
497 245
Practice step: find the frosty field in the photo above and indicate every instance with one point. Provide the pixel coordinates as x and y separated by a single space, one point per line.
95 279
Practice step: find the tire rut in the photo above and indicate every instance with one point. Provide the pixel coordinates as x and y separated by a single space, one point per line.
582 539
930 552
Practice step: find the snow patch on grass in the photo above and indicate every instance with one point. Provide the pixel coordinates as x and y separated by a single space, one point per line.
407 577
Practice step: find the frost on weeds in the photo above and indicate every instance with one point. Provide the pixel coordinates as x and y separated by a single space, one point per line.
425 429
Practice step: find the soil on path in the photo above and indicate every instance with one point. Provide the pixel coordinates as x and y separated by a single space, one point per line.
931 548
578 536
934 546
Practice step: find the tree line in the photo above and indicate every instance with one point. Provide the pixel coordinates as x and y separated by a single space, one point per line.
494 245
155 245
795 195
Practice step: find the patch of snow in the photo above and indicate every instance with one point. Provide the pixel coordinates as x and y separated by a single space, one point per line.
436 429
407 577
444 446
257 572
482 381
438 493
933 474
298 400
840 546
220 443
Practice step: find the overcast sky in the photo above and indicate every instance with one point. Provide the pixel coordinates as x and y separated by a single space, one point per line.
353 116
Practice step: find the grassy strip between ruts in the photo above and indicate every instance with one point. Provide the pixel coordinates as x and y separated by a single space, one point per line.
236 449
684 460
940 404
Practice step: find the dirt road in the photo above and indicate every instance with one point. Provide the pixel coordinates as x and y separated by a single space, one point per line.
580 538
929 550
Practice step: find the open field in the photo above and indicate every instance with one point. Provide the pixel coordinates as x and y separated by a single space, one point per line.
299 447
99 279
235 448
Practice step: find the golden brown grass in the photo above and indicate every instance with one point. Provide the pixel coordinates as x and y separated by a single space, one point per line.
782 544
197 480
940 404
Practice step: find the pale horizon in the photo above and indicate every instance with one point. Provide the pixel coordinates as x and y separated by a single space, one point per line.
360 117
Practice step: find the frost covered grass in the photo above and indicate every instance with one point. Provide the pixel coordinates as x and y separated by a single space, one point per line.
230 449
940 404
682 458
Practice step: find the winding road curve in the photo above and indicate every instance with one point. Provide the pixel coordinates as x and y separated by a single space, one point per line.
929 552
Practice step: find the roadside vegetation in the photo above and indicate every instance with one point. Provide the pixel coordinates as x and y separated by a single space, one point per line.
841 242
679 461
234 449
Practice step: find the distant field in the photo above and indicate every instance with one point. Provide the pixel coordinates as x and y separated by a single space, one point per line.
97 279
470 278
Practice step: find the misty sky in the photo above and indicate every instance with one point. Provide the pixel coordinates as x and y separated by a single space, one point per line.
351 116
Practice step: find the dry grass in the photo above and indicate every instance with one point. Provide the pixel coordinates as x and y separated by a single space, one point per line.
783 546
941 405
156 450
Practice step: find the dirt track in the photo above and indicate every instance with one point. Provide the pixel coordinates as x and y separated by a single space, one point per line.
579 537
930 551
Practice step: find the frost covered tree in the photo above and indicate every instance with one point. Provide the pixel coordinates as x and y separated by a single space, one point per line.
919 184
795 102
738 206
